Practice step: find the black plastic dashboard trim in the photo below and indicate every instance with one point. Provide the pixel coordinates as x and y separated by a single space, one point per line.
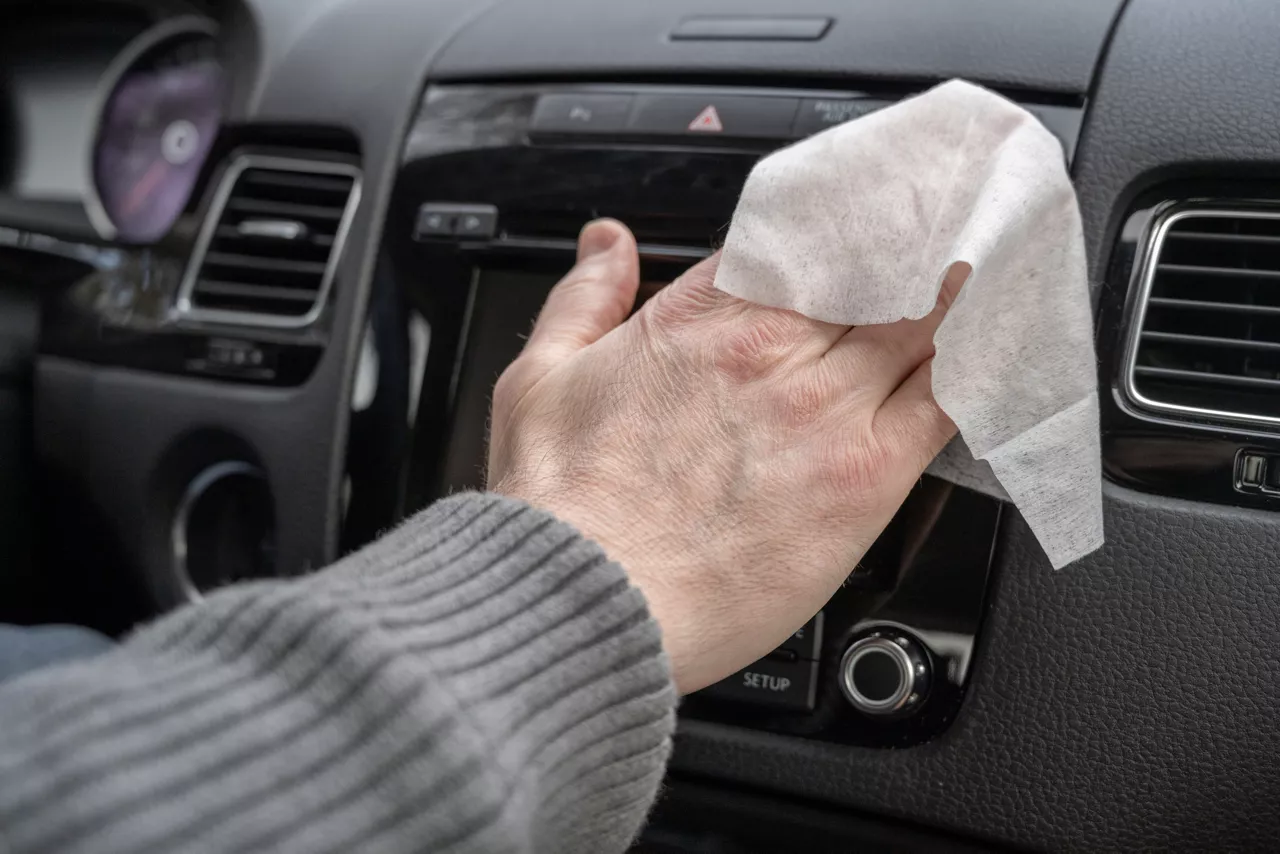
1050 47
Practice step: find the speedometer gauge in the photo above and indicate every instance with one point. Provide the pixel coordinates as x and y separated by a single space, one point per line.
159 113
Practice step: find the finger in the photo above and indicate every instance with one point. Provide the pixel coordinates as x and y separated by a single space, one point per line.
911 427
952 283
695 297
880 358
595 296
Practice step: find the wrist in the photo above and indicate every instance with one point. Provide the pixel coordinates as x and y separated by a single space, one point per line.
647 572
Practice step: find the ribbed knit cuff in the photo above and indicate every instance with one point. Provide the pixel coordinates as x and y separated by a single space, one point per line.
482 679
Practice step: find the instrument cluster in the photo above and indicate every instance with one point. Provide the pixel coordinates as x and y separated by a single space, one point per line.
159 110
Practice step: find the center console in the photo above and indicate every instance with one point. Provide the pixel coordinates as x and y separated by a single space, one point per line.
496 182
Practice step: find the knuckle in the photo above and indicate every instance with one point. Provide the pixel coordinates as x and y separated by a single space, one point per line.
755 345
854 467
803 400
677 306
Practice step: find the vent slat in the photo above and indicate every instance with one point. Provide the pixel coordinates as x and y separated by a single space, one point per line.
1200 377
272 208
231 232
234 289
1211 341
1198 270
1272 239
279 265
266 258
1206 305
1210 336
299 180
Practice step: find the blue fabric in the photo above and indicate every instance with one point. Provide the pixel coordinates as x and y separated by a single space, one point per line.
25 649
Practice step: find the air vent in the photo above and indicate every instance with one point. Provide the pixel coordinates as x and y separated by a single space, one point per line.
1206 335
268 250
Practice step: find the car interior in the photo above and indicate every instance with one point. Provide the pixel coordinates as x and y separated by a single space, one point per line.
262 261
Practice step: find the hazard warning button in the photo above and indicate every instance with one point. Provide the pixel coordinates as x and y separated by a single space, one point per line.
707 121
710 115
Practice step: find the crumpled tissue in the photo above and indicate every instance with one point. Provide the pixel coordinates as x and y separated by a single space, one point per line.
860 225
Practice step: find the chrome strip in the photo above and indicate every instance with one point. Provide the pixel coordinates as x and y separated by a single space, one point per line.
184 309
906 670
272 229
1132 401
182 517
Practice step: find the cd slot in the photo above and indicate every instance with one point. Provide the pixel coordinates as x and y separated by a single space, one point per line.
665 229
560 246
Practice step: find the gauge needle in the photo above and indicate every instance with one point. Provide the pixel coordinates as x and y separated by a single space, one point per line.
149 181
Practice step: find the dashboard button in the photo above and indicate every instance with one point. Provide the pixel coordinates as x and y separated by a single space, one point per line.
742 116
476 222
885 674
818 114
790 685
447 219
435 221
1252 469
752 28
581 113
807 640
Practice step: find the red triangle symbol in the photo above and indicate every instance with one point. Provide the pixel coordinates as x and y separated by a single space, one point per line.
708 121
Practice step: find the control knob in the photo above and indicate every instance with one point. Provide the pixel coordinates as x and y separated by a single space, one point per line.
885 674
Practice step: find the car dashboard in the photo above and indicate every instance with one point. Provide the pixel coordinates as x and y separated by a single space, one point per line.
265 260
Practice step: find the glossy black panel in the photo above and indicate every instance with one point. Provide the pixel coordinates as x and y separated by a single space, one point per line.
388 379
926 574
470 145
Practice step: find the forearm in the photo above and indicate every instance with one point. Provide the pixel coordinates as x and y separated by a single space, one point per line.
481 680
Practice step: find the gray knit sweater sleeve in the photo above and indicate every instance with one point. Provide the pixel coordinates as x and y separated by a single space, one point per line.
483 679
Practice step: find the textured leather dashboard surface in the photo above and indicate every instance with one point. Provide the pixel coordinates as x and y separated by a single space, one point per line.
1128 702
1187 90
1131 701
1012 43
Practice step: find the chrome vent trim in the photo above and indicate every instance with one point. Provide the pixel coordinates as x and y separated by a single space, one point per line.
1131 399
186 306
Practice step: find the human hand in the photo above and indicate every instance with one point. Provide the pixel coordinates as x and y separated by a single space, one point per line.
737 460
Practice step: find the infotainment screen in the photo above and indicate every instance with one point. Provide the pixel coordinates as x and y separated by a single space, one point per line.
503 308
504 305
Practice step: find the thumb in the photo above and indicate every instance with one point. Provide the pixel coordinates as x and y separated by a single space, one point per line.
594 297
